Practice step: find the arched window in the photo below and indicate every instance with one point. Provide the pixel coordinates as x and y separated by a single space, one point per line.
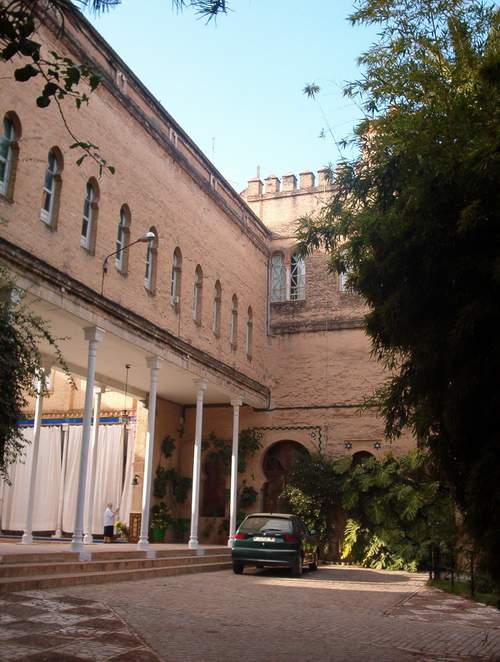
217 308
278 278
52 188
197 294
151 262
175 283
9 151
123 239
89 217
233 331
344 276
297 278
249 337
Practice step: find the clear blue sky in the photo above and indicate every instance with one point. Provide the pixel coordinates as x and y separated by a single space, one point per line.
236 86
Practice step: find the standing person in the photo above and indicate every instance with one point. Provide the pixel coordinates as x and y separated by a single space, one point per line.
109 522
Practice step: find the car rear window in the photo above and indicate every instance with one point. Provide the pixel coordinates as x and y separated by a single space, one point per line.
260 524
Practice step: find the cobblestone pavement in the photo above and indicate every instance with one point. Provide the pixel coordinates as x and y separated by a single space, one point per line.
337 613
42 627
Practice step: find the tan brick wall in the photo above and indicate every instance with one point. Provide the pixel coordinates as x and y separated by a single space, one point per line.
159 193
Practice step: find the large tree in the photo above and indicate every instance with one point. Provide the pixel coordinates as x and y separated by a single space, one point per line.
415 224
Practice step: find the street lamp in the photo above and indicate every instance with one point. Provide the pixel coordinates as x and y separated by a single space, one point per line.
149 236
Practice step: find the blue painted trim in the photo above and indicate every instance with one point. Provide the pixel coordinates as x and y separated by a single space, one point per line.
73 421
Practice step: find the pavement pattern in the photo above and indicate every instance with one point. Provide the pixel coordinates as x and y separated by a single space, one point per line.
337 613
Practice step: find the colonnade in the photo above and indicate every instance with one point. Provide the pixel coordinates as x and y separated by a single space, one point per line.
93 393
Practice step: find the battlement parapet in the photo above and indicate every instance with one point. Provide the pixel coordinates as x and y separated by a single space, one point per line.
290 184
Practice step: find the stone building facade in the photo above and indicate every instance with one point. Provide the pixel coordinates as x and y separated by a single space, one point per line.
212 320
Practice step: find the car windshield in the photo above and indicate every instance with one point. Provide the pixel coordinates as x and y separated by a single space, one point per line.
261 524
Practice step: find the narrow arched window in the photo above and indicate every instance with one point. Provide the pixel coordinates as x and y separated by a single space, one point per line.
151 263
249 335
175 283
197 295
52 189
9 151
233 331
344 275
297 278
89 216
217 308
123 239
278 278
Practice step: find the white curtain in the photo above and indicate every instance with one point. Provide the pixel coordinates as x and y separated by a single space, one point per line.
109 473
108 477
109 483
48 475
74 440
126 500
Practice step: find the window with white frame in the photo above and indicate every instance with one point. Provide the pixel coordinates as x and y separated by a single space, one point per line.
88 217
175 283
197 294
6 155
297 278
249 335
50 190
278 278
122 240
344 276
150 264
216 313
233 330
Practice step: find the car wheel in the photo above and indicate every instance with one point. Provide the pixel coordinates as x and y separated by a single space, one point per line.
297 567
238 568
314 564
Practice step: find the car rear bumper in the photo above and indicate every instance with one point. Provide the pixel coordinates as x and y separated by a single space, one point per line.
264 556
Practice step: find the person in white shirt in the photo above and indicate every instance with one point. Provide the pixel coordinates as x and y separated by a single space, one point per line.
109 522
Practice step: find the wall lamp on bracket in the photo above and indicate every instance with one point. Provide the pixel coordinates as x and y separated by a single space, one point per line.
147 237
348 445
377 445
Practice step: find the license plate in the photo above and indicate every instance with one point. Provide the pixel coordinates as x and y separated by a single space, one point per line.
263 539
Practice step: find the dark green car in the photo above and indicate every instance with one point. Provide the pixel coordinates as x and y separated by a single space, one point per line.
273 539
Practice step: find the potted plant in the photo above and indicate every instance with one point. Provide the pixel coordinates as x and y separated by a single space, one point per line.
121 530
160 521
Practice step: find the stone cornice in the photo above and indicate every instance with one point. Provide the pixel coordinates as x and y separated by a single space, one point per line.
316 326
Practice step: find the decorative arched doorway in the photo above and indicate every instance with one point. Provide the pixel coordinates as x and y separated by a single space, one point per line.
278 460
360 457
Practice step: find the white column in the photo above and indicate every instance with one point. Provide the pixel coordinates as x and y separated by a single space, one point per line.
233 507
93 335
195 490
27 538
62 483
88 539
154 365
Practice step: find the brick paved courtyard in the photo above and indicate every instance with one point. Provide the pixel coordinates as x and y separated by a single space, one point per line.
336 613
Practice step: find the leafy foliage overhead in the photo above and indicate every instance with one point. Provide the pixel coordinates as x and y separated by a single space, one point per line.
414 224
21 363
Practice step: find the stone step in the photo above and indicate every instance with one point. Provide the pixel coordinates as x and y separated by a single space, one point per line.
8 584
98 553
108 565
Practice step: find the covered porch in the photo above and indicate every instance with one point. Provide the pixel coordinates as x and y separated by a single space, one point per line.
126 354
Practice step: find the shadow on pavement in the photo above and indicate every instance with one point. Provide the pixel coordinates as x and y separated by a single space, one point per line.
332 573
